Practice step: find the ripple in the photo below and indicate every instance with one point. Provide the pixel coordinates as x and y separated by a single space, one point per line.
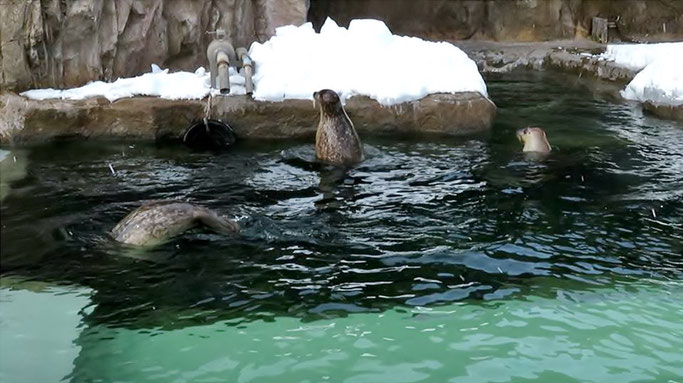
446 260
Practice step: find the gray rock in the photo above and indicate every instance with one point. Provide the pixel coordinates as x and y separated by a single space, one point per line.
55 43
150 118
567 55
511 20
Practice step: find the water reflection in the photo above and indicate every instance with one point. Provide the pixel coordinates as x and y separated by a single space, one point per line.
33 349
572 336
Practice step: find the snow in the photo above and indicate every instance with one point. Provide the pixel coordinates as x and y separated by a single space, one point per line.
365 59
660 79
638 56
660 83
159 83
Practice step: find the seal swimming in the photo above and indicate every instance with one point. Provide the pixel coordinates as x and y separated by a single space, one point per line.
336 140
155 222
534 140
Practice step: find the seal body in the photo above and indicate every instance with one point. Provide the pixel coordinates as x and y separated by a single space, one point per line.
534 140
155 222
336 140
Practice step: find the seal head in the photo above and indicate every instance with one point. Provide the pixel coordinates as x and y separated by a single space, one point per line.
158 221
336 140
534 140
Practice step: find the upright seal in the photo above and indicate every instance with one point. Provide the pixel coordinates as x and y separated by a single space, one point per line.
155 222
534 140
336 140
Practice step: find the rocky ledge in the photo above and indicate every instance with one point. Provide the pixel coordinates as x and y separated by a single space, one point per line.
148 118
672 112
574 56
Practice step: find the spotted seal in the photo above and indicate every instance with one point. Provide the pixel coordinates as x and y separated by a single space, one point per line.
155 222
336 140
534 140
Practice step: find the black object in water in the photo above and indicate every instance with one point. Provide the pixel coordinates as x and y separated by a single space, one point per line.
209 134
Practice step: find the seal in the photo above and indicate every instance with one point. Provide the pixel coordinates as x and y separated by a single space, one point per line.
534 140
336 140
155 222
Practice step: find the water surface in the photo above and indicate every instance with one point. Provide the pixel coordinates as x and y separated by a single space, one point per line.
435 260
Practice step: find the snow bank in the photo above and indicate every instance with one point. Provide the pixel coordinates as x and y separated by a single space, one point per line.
160 83
638 56
660 83
661 79
365 59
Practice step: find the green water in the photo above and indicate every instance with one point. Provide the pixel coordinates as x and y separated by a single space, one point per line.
436 260
628 333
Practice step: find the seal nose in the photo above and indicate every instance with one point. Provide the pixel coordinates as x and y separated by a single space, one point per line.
520 135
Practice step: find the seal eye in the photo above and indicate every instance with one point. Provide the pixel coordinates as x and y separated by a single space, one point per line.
526 130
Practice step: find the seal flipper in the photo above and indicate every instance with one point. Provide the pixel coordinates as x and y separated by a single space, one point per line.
214 222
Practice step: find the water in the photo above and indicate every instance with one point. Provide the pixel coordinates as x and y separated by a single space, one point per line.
458 260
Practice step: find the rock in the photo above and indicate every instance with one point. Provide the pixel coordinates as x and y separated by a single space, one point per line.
579 57
55 43
529 20
636 20
672 112
436 19
445 114
511 20
589 65
274 13
149 118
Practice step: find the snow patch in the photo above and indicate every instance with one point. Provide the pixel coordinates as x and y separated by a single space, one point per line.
638 56
660 80
660 83
365 59
159 82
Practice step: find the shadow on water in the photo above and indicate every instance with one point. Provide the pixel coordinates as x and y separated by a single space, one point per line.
419 223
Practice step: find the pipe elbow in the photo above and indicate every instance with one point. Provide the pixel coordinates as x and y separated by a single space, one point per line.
222 58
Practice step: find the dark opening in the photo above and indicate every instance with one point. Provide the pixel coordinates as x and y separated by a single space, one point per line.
209 135
403 17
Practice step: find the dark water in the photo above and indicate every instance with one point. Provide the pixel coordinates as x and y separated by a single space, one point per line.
444 225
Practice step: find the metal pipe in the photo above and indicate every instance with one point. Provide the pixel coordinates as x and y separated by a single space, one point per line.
249 85
220 51
248 69
223 73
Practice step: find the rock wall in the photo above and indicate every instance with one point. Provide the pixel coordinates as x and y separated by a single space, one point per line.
511 20
26 121
66 43
59 43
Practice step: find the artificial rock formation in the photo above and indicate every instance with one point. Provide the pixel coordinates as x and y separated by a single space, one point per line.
511 20
151 118
57 43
